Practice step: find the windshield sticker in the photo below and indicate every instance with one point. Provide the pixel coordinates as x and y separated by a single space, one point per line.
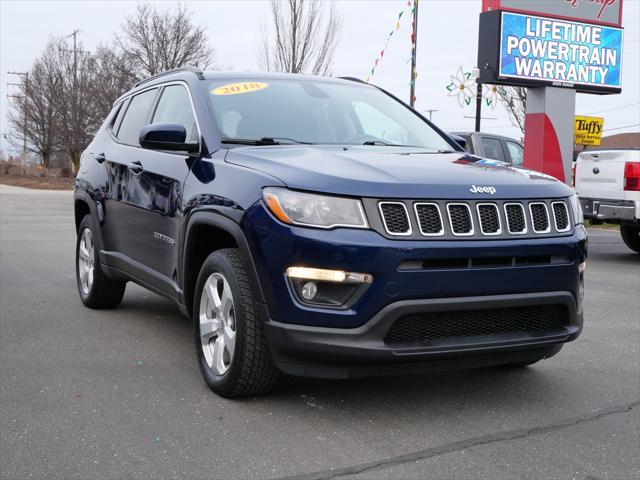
240 87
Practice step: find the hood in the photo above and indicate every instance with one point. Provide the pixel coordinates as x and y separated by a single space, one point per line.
395 172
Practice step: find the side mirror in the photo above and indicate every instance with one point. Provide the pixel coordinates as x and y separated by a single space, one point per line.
459 140
166 136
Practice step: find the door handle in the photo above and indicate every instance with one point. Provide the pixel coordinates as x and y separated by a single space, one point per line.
136 167
99 157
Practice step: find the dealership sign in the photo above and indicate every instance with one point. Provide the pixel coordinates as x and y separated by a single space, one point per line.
605 12
529 50
557 51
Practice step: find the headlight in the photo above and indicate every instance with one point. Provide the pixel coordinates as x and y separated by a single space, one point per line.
312 210
578 217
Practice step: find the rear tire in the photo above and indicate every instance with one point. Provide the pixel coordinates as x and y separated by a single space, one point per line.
96 290
232 350
631 236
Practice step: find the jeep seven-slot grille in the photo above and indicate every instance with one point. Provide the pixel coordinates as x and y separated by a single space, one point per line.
473 219
421 328
561 216
429 218
489 218
515 218
540 217
460 218
396 219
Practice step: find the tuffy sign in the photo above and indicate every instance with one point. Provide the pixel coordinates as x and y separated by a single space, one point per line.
588 130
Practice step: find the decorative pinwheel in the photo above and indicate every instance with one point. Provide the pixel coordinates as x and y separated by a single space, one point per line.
490 94
462 87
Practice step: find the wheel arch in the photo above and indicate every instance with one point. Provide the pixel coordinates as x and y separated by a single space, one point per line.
205 233
81 209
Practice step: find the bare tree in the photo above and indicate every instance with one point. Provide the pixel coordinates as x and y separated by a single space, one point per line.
304 38
155 41
35 107
76 118
514 100
112 73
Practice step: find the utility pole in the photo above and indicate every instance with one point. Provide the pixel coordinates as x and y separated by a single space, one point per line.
74 93
431 112
414 49
24 76
478 106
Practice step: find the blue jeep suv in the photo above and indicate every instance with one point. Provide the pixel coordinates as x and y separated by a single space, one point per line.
321 227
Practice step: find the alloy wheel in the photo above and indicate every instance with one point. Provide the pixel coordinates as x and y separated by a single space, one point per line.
217 323
86 261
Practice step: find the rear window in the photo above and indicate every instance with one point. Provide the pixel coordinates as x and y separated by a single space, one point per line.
118 118
136 117
492 149
516 152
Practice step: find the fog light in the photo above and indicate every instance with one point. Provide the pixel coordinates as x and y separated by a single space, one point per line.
327 288
309 291
328 275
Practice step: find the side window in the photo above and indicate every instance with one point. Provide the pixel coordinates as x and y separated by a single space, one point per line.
493 149
135 117
175 107
118 118
516 153
378 125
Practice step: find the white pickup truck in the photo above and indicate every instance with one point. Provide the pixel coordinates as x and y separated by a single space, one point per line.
608 184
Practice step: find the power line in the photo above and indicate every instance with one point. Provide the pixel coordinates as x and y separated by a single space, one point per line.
621 128
616 108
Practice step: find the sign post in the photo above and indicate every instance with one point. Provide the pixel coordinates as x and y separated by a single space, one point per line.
555 48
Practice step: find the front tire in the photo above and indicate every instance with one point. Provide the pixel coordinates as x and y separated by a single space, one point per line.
96 289
232 350
631 237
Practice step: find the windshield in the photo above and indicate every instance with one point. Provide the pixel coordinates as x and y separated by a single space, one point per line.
315 112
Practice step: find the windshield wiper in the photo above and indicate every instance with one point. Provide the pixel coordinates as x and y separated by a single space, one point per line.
262 141
280 140
380 142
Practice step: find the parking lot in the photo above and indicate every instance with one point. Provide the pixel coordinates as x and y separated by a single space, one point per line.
117 394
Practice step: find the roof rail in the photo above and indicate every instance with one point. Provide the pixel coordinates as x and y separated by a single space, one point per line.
195 70
353 79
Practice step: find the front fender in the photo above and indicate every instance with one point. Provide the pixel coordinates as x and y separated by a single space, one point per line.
219 221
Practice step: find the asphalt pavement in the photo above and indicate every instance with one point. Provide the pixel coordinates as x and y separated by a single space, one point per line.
117 394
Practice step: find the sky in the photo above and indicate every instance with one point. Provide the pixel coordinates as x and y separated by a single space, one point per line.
447 40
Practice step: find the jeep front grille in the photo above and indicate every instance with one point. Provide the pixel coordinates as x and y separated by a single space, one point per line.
489 218
561 216
469 219
429 219
540 217
460 219
396 218
516 220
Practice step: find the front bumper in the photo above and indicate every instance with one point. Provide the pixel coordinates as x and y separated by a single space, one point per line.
338 343
340 353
